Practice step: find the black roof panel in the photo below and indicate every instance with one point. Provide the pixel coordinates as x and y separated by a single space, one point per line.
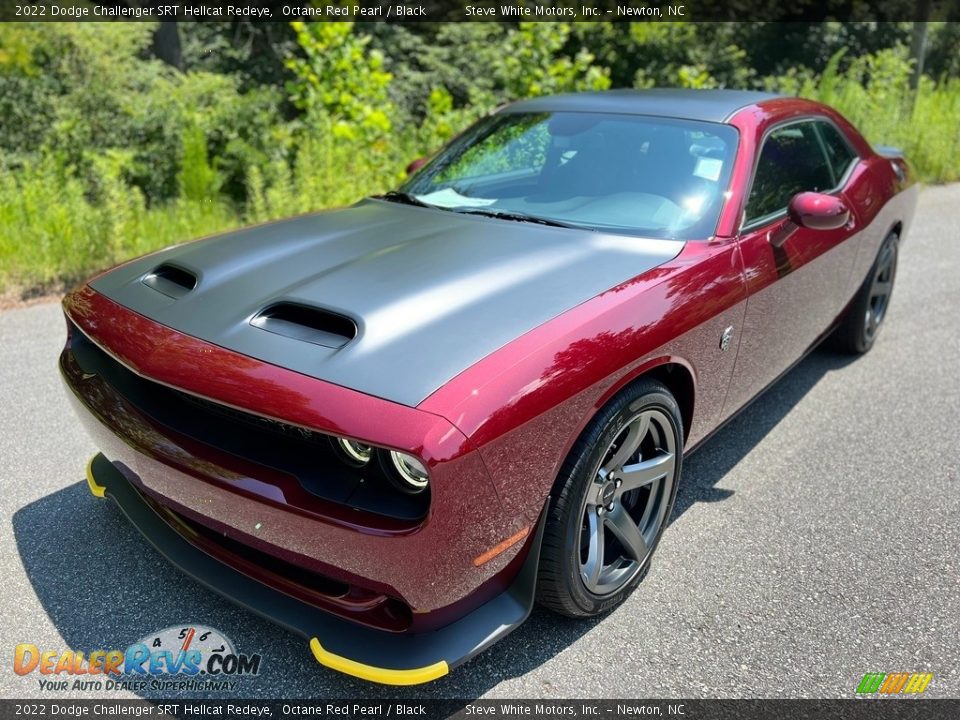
706 105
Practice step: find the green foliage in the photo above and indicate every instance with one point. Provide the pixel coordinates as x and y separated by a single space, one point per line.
874 94
251 52
531 63
453 56
687 55
340 78
943 56
325 171
106 152
198 181
46 243
239 127
83 89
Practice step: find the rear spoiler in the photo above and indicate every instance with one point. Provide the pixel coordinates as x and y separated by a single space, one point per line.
888 151
896 159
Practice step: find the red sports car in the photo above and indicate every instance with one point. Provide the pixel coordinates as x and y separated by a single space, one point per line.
391 428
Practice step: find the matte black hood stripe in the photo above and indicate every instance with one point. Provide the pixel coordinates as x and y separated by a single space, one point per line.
430 292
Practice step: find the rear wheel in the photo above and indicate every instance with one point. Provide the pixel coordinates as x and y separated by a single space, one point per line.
611 503
859 329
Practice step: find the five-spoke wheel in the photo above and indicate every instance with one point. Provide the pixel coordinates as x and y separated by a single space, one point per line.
860 326
612 501
624 507
881 288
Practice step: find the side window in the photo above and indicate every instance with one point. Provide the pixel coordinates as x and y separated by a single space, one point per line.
838 150
791 161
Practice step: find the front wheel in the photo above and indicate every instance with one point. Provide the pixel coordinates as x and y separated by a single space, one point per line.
859 329
611 502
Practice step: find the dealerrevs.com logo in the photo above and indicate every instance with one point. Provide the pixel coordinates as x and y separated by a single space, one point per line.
178 658
894 683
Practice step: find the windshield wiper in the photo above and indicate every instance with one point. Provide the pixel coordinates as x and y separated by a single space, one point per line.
402 197
517 217
410 199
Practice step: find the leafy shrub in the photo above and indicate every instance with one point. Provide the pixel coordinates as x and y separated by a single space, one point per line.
874 94
46 244
531 62
106 153
340 78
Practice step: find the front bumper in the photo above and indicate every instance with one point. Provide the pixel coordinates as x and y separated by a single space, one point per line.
374 599
378 656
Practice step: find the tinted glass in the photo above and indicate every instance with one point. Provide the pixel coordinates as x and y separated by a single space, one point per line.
631 174
791 161
838 150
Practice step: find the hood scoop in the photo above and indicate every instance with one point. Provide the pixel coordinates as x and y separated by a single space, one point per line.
309 324
385 299
170 280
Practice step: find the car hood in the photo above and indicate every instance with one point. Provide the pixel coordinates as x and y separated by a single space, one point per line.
424 293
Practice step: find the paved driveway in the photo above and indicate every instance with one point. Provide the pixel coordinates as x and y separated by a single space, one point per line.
817 537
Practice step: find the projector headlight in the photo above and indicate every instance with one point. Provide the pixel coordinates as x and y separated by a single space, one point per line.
408 473
354 452
401 470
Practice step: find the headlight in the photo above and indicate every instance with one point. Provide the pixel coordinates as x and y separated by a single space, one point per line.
404 472
409 474
355 453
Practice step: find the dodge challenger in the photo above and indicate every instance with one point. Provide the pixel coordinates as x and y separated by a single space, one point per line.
392 428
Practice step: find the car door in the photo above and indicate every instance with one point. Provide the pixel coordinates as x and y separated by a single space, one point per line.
794 276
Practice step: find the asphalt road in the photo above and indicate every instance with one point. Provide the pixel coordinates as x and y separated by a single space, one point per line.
816 538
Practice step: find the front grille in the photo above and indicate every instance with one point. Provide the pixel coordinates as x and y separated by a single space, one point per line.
281 451
261 424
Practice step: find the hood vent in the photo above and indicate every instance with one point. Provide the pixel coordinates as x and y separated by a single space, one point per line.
309 324
170 280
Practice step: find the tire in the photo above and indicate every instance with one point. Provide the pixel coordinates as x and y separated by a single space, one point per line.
590 561
860 326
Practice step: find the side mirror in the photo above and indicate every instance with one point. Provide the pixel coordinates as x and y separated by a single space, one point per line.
817 211
416 165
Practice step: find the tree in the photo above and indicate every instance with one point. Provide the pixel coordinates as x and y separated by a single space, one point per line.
532 62
166 44
340 77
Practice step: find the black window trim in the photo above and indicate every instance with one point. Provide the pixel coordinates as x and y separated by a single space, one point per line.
855 156
455 144
769 218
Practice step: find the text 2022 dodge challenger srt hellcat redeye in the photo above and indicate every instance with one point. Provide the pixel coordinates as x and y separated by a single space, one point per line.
392 427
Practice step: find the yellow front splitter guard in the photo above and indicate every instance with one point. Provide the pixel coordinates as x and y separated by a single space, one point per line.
96 489
413 676
472 634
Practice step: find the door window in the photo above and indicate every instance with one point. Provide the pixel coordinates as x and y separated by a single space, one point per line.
791 161
838 150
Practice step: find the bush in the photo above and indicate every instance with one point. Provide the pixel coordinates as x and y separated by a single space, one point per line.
46 245
874 94
107 153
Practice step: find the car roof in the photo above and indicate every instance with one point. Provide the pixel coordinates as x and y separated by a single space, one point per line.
705 105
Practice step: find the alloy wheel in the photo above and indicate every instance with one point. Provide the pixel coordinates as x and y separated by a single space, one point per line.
880 290
626 504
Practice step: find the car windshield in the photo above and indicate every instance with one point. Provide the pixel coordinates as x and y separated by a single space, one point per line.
631 174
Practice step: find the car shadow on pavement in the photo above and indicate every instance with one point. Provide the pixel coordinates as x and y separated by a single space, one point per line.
104 587
720 453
